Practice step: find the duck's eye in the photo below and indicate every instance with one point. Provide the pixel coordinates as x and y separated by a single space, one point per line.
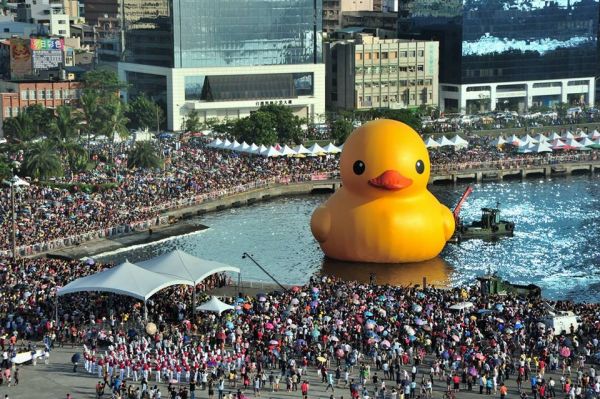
359 167
420 166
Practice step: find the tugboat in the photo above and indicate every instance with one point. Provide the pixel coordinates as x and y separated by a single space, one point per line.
489 227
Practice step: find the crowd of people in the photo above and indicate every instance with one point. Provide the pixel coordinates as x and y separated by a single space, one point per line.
371 341
124 199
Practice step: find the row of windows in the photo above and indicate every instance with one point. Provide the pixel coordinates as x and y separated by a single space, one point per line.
390 69
402 83
370 100
49 94
392 55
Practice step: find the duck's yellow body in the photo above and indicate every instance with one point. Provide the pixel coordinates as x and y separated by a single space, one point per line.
383 212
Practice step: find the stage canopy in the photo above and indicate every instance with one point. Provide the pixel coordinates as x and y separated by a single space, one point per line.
124 279
183 266
214 305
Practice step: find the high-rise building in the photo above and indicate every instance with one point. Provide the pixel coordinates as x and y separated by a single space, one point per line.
333 9
225 58
368 72
509 54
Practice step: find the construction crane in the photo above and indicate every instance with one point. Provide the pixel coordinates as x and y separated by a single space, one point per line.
462 200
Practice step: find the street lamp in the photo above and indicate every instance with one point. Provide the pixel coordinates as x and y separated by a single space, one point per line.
15 181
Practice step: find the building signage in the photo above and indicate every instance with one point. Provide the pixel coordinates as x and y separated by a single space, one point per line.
47 44
47 59
276 102
20 58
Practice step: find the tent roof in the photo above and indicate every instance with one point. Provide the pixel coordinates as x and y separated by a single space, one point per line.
444 142
498 141
215 305
286 151
431 143
316 149
186 267
270 152
331 149
124 279
457 140
300 149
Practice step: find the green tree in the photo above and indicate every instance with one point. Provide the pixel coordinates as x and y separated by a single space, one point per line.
143 113
65 127
144 155
42 160
115 121
561 109
341 129
5 170
18 129
192 121
41 118
103 81
287 125
257 128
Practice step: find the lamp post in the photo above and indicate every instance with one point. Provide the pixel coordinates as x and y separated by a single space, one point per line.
15 181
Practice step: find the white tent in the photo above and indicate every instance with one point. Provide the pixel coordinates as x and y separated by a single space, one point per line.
341 147
572 144
582 135
461 306
235 146
514 140
184 266
244 147
261 149
541 147
459 142
586 142
444 142
557 144
124 279
271 152
595 134
528 139
498 141
287 151
225 144
331 149
253 149
540 138
300 149
554 136
525 148
215 305
431 143
316 149
216 143
568 135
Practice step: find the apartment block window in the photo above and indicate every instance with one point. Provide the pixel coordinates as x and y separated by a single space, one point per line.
57 94
62 32
403 54
32 94
49 94
367 56
358 56
421 53
403 69
385 55
15 111
393 55
24 95
62 22
375 55
41 95
412 53
420 68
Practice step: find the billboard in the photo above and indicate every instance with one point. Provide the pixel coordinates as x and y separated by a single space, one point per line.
57 44
47 59
20 58
510 39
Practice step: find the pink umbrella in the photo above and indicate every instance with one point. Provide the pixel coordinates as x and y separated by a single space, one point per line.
455 338
565 351
386 343
339 353
269 326
273 342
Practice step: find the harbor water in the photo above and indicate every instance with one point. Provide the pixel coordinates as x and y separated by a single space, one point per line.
556 243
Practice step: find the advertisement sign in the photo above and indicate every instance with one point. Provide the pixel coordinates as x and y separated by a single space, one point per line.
47 44
20 58
47 59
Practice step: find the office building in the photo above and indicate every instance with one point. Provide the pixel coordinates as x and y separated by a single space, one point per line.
509 54
47 13
368 72
333 9
225 58
370 19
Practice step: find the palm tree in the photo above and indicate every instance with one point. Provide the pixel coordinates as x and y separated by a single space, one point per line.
19 128
89 104
144 155
42 160
115 122
65 127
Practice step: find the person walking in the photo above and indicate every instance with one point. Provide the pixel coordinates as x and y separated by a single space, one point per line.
304 388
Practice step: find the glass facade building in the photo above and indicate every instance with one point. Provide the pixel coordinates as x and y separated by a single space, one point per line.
223 33
484 41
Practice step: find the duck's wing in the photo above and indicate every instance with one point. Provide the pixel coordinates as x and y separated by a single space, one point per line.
320 223
448 220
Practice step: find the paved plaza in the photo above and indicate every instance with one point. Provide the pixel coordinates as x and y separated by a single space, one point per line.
56 379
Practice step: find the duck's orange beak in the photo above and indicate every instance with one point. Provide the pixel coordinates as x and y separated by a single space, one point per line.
390 180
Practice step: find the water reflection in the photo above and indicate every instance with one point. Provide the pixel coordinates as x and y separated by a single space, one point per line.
436 272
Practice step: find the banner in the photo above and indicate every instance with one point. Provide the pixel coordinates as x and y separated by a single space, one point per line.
47 44
20 58
47 59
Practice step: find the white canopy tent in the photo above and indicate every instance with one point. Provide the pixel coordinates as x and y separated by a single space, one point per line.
586 142
216 143
554 136
573 144
215 305
244 147
582 135
557 144
271 152
514 140
316 150
225 144
498 141
287 151
459 142
541 138
444 142
235 146
568 135
525 148
528 139
431 143
595 134
300 149
541 147
331 149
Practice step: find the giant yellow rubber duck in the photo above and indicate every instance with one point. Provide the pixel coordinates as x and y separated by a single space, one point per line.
383 212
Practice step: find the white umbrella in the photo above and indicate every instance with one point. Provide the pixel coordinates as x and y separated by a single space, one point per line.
287 151
300 149
498 141
461 306
214 305
444 142
331 149
431 143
